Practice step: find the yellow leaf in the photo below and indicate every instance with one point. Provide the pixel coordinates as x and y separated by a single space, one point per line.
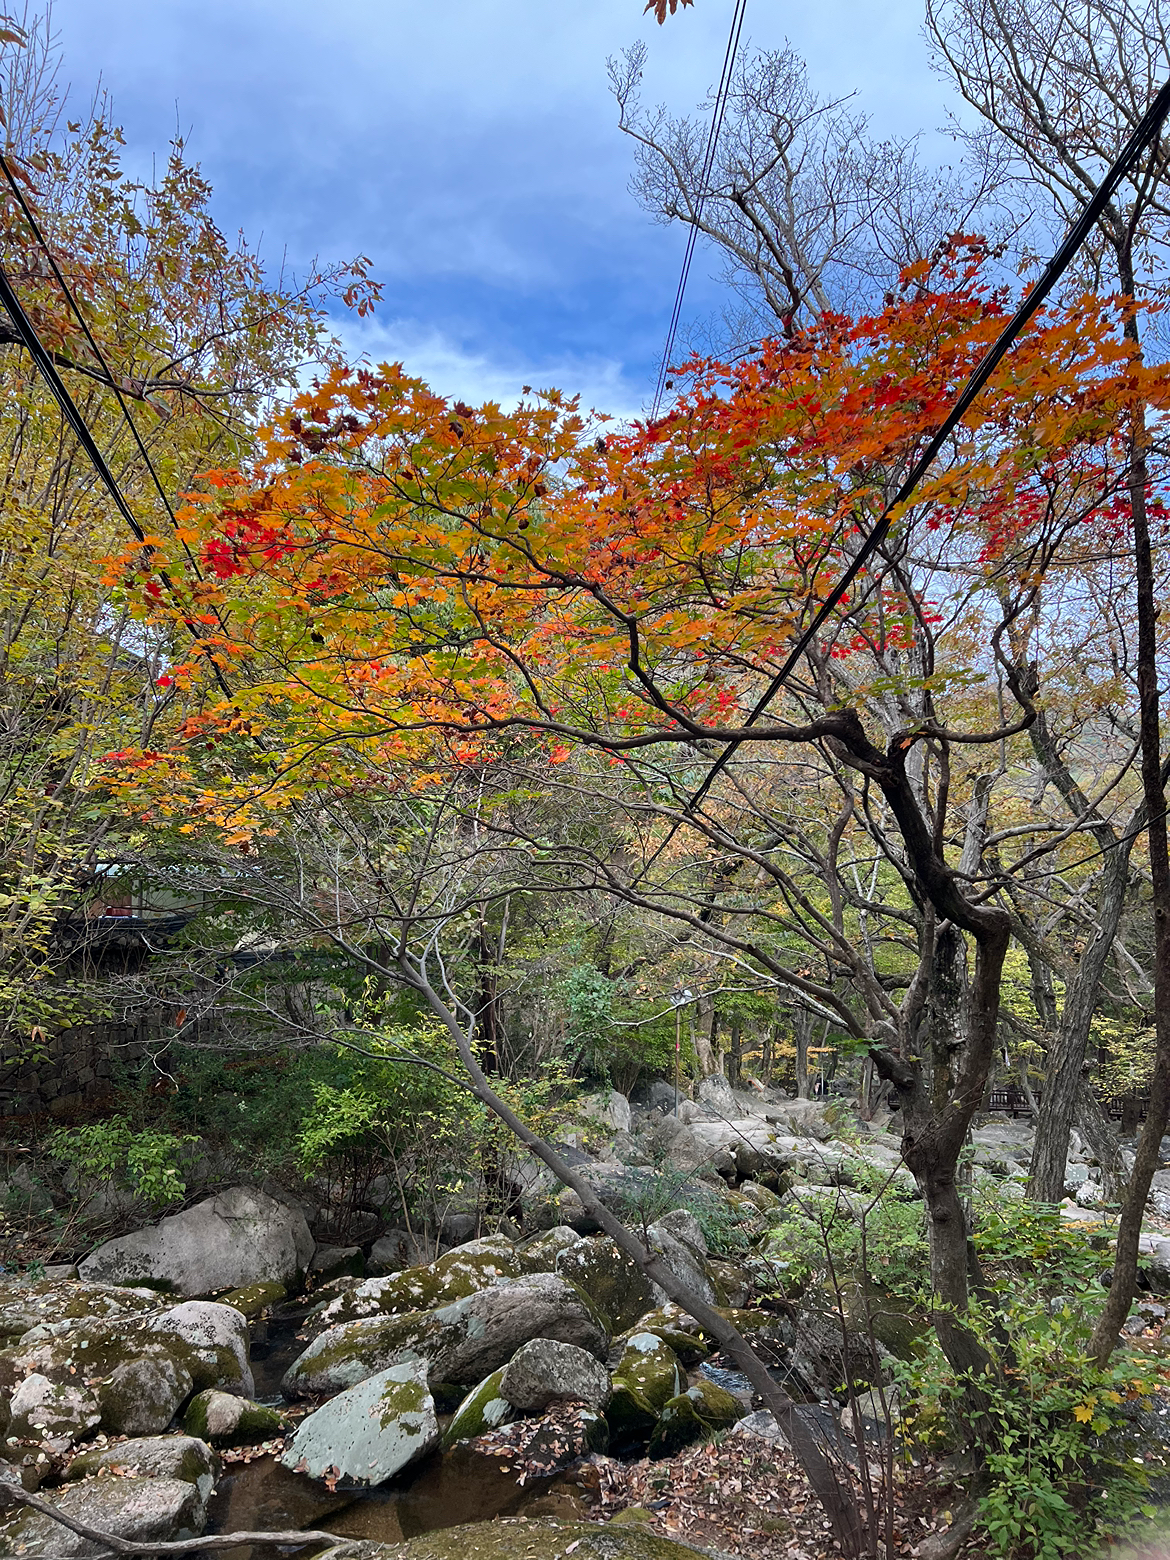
1084 1411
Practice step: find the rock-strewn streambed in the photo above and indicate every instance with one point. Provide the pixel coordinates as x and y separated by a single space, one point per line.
500 1379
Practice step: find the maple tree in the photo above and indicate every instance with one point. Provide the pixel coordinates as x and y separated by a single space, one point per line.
406 580
660 8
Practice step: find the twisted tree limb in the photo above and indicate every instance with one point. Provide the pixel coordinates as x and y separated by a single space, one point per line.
11 1490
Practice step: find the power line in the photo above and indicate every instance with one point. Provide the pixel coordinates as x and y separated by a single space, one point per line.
65 401
719 109
1147 127
60 391
30 218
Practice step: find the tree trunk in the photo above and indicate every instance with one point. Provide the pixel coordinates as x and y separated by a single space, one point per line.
802 1032
703 1049
934 1157
1066 1059
1097 1130
839 1505
1133 1205
735 1055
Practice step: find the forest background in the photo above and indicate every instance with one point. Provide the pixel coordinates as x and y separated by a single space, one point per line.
402 733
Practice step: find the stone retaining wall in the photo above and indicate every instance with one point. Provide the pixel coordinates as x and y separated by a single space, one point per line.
70 1070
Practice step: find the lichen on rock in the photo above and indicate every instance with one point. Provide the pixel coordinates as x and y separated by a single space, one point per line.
370 1432
527 1540
651 1368
227 1420
615 1284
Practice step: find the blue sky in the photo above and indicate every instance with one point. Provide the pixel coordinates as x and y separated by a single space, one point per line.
470 148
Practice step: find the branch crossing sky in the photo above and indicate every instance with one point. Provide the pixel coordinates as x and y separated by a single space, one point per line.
470 147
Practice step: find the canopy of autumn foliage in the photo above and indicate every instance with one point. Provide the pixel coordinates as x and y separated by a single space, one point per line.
199 339
399 573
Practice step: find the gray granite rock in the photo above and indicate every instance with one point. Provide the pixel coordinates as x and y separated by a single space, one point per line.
370 1432
241 1236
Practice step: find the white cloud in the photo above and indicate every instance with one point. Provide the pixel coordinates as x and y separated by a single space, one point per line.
454 369
470 148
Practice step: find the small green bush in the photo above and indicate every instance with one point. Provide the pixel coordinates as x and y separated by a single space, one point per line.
117 1152
831 1235
653 1194
1063 1467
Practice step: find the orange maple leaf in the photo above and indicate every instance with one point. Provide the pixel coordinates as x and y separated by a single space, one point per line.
660 7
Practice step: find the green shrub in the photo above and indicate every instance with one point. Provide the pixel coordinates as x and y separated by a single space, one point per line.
1063 1467
829 1235
643 1201
116 1152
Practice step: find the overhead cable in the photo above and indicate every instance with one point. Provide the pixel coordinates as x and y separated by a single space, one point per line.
52 377
65 401
722 93
1145 131
30 218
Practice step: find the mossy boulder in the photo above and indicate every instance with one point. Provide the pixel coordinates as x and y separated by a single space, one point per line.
714 1404
463 1271
140 1508
545 1371
218 1336
26 1306
521 1540
694 1415
254 1299
757 1326
349 1352
462 1342
226 1420
371 1432
615 1284
732 1281
633 1515
759 1196
651 1368
679 1425
539 1253
483 1409
182 1457
141 1378
895 1326
50 1410
143 1395
630 1417
676 1329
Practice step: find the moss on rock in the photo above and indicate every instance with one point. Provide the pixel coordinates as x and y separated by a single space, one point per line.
226 1420
676 1329
714 1404
481 1410
614 1283
651 1368
252 1299
631 1418
163 1456
521 1540
142 1396
351 1351
679 1425
456 1274
539 1253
